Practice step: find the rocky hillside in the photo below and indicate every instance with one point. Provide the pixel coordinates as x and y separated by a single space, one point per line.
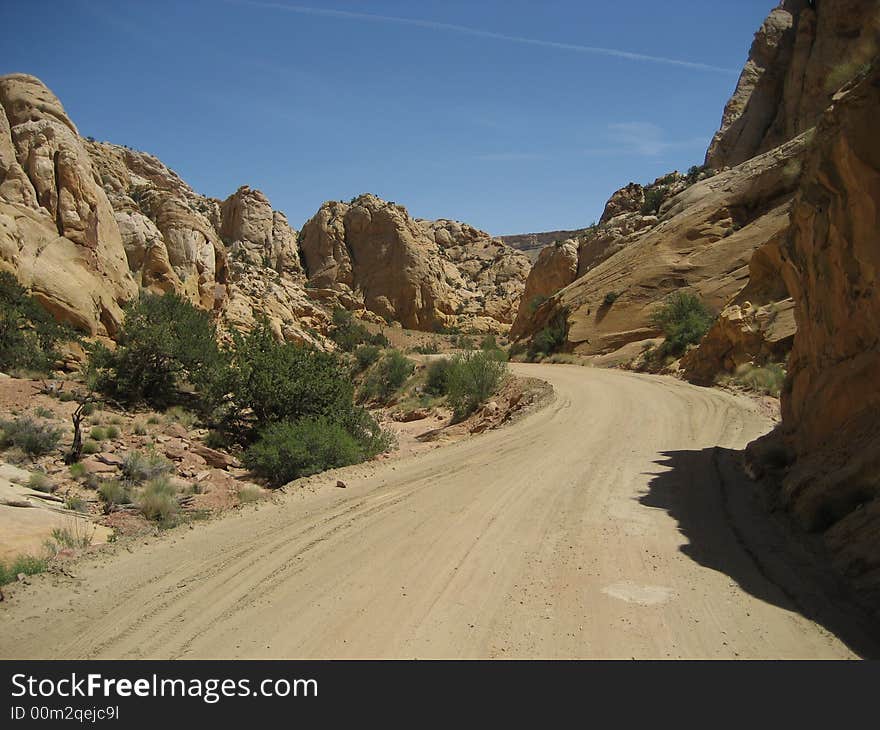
717 231
427 275
85 225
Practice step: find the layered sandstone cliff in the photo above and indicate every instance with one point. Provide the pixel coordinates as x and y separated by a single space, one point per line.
803 53
831 402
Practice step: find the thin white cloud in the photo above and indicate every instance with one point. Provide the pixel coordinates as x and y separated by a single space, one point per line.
510 157
642 139
466 30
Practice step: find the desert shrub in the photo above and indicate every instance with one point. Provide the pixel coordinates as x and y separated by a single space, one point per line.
39 482
489 343
41 412
165 343
437 380
768 379
26 564
366 355
98 434
387 376
536 302
379 340
90 446
431 348
76 535
154 420
653 200
216 440
472 378
248 493
157 501
610 298
139 467
180 415
28 334
112 432
113 493
684 319
550 339
269 382
34 439
77 504
77 471
348 333
289 450
139 428
463 342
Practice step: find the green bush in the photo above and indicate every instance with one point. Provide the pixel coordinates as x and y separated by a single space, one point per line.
653 200
75 503
431 348
387 376
550 339
684 320
472 378
35 439
90 446
610 298
165 343
437 381
41 412
536 302
348 333
39 482
112 432
78 471
28 334
289 450
366 355
98 434
113 493
27 564
157 501
269 382
139 467
768 379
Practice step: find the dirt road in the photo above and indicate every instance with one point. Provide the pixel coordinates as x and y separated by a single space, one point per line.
593 528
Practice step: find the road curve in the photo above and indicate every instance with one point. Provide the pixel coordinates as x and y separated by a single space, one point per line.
592 528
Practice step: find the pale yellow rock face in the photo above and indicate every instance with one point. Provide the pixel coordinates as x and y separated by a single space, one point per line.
702 240
423 274
58 233
257 234
800 57
556 267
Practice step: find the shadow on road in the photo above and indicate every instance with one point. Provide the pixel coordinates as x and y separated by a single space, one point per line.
730 530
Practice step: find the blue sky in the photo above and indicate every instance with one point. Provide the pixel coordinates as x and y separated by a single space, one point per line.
513 116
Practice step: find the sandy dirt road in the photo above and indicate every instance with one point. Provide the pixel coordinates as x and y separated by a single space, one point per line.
586 530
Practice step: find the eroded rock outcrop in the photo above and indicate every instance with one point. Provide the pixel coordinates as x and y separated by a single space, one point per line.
556 268
427 275
802 54
58 234
702 239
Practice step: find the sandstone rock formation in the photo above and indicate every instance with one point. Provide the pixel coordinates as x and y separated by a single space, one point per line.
556 267
58 234
427 275
803 53
702 239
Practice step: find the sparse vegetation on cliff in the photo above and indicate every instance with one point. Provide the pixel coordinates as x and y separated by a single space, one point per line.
684 319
